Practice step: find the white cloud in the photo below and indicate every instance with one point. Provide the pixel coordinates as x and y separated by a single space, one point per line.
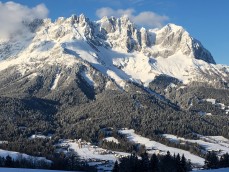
106 11
146 18
150 18
13 14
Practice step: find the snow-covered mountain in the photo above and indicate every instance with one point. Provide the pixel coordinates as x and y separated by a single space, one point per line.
75 78
112 48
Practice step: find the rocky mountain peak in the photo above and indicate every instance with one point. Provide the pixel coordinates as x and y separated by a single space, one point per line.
122 33
175 38
114 46
172 28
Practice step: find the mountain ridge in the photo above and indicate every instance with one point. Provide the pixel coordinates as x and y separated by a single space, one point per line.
115 47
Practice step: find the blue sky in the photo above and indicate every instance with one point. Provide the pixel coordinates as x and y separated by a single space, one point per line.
206 20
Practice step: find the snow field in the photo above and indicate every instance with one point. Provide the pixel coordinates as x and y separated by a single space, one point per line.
209 143
156 147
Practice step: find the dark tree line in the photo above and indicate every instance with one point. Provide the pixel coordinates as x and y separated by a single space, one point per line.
212 161
21 162
34 147
155 163
59 162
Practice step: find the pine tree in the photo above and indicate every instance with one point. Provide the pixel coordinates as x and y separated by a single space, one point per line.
73 162
189 166
224 160
154 163
178 163
145 164
2 161
135 163
116 167
211 160
167 163
183 164
8 161
130 163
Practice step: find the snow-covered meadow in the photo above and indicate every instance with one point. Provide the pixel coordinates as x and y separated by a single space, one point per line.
16 155
158 148
209 143
102 159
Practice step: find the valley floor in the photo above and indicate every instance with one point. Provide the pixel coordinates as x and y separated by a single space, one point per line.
103 159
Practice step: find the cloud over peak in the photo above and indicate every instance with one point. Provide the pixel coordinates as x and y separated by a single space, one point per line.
145 18
13 14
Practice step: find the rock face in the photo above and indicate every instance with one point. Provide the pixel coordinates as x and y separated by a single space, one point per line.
174 38
122 33
164 42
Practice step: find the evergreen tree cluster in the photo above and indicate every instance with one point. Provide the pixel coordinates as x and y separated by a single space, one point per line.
59 162
212 161
33 147
123 145
155 163
21 162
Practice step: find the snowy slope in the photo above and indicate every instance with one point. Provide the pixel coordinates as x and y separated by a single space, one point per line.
103 159
87 151
156 147
209 143
15 155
